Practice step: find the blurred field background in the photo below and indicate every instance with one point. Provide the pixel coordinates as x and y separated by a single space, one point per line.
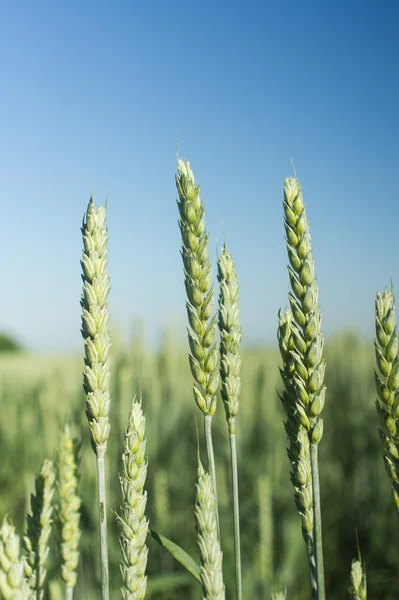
37 394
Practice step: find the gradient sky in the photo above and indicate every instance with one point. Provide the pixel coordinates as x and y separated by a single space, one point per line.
94 97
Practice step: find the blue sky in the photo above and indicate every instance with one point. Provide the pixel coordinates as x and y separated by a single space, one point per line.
94 96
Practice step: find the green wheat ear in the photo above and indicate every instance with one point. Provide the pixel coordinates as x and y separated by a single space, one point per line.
69 507
387 384
95 320
298 450
307 351
358 586
35 542
230 336
199 288
13 585
132 521
208 538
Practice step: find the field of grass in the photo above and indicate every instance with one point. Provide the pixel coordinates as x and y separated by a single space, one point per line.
38 394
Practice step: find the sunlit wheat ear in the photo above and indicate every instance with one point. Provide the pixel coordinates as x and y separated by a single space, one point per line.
358 585
95 322
97 371
132 521
230 336
199 288
69 508
39 523
13 585
298 442
387 384
307 350
208 539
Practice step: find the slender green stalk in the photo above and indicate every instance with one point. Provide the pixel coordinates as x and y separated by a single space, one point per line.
208 538
95 319
200 293
132 521
307 351
102 523
387 384
35 542
13 585
317 517
230 368
236 508
69 508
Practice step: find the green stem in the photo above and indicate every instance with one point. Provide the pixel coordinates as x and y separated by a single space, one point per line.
69 592
310 546
237 546
102 511
211 462
317 522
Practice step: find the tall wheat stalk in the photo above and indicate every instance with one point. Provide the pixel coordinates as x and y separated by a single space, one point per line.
201 296
97 371
307 352
230 368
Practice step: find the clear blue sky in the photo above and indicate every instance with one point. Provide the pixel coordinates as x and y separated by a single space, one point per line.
93 97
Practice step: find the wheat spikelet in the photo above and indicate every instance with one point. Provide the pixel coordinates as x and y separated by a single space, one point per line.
69 507
230 336
13 585
199 288
95 319
308 342
35 542
208 539
132 520
387 384
358 585
298 449
279 596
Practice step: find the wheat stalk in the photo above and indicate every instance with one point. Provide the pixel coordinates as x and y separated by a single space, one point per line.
208 538
95 319
69 508
299 448
132 521
35 542
358 586
13 585
230 368
307 353
200 293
